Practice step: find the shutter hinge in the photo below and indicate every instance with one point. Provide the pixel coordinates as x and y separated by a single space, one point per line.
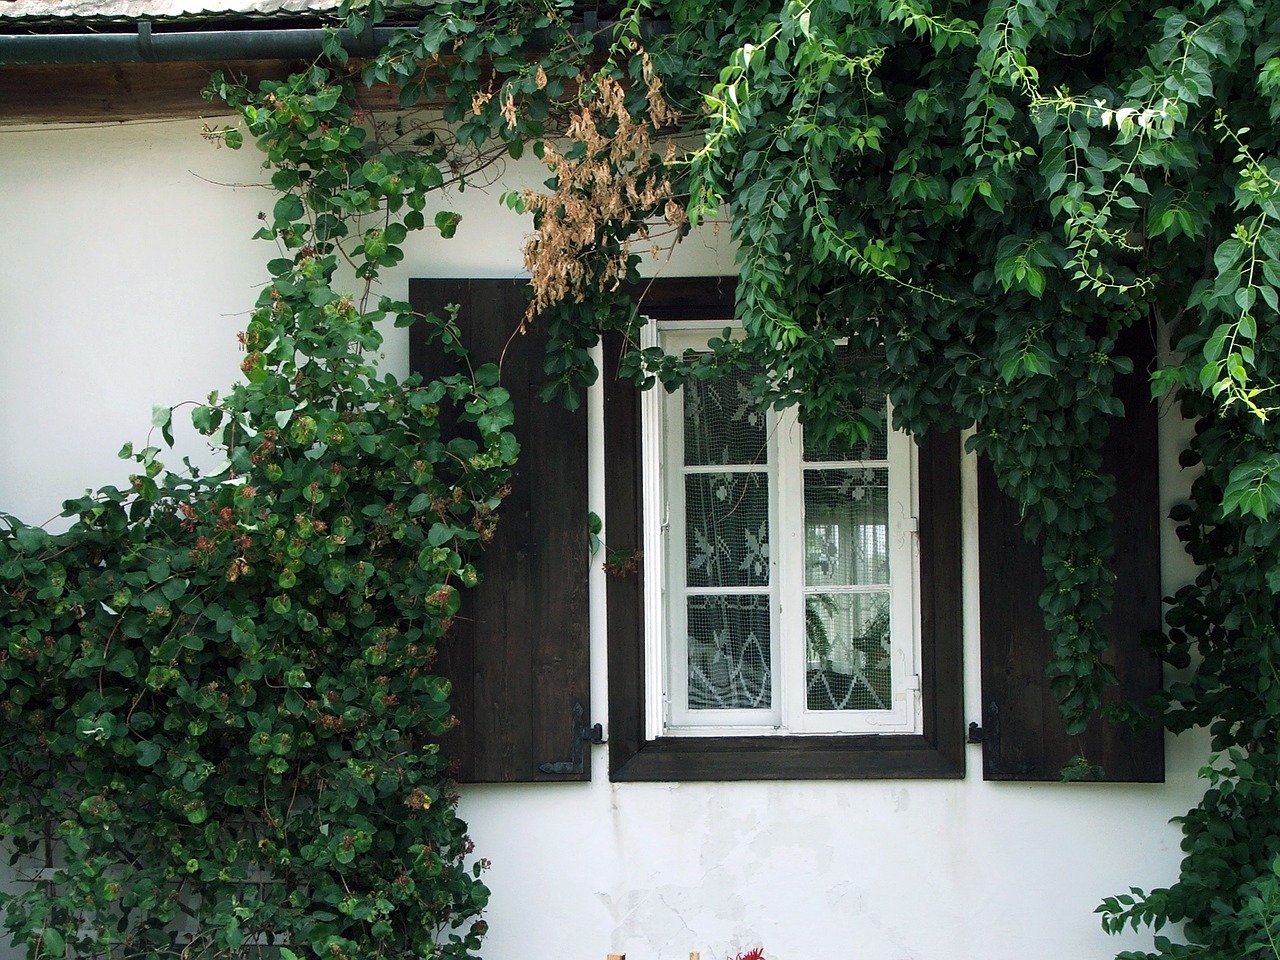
988 734
581 734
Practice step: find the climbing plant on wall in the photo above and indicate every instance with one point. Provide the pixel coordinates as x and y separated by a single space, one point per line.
984 195
991 192
219 715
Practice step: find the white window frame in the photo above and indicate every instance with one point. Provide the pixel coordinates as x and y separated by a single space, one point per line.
666 694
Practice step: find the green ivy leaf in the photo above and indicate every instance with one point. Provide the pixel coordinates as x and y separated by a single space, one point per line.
52 944
288 209
162 417
148 753
447 223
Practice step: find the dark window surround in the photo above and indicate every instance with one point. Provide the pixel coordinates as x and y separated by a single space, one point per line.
936 753
520 657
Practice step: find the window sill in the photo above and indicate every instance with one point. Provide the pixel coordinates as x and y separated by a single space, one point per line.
785 758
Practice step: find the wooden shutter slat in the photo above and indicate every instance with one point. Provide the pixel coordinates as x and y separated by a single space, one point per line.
624 594
518 654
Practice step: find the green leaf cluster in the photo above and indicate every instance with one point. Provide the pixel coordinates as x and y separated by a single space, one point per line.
981 200
220 716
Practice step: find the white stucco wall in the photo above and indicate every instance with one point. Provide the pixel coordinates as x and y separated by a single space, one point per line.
127 270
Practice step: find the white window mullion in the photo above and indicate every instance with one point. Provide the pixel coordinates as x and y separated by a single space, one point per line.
790 562
904 569
779 531
676 613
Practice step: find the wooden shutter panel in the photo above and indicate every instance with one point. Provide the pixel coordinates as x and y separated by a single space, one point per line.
1025 737
518 655
624 595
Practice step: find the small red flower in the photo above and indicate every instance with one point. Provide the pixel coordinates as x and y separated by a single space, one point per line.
756 953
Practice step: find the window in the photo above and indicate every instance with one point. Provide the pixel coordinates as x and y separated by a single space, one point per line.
757 692
782 575
519 656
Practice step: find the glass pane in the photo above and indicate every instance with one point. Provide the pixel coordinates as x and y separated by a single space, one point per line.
848 650
846 527
726 529
876 447
729 653
722 424
864 393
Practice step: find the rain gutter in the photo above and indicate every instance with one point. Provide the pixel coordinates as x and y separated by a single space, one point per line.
148 46
251 43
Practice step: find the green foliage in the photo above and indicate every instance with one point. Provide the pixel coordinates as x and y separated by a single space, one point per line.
882 184
1223 637
219 718
980 198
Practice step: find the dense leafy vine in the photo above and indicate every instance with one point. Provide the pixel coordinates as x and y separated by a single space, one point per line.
219 718
982 195
994 192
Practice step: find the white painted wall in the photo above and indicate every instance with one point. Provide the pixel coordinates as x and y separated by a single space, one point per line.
127 270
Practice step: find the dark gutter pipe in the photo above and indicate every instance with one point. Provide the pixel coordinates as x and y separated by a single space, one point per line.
147 46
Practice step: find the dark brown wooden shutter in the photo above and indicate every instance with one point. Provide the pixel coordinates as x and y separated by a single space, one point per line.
518 655
1025 736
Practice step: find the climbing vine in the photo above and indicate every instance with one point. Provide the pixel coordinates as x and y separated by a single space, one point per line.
983 196
219 714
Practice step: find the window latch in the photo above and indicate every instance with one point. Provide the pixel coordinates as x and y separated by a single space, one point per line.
582 734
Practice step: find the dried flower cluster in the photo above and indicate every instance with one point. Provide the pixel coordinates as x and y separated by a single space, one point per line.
612 183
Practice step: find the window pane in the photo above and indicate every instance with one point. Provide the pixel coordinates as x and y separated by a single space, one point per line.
726 529
846 521
722 424
865 393
729 652
848 646
875 447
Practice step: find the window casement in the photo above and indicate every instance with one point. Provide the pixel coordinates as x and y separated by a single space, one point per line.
782 576
713 674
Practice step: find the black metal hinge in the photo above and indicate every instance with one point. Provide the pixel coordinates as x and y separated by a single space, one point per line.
582 734
988 734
